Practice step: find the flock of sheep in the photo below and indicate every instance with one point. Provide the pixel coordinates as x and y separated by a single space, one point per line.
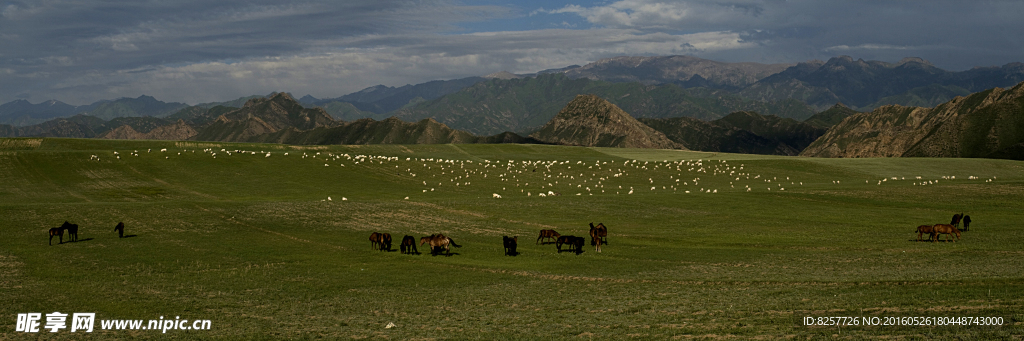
543 178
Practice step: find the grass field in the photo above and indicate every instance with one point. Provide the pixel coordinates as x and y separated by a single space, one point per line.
707 246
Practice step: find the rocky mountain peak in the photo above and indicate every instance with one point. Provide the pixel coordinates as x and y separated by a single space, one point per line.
591 121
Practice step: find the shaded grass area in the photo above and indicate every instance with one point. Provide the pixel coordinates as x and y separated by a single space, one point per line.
252 244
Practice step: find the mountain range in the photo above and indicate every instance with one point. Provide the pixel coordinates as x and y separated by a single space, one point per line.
987 124
810 108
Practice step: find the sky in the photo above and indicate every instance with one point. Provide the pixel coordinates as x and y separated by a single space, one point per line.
197 51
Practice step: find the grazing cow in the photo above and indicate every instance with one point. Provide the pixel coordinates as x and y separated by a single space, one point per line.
120 229
59 232
921 230
956 220
598 235
967 222
510 245
375 239
438 242
547 234
408 245
72 231
947 230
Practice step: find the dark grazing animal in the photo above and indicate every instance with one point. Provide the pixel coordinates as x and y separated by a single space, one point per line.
510 245
956 220
72 231
575 243
59 232
438 242
375 239
921 230
408 245
947 230
120 229
547 234
967 222
385 241
598 235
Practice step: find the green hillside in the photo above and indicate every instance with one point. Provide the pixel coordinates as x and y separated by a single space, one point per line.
224 232
524 104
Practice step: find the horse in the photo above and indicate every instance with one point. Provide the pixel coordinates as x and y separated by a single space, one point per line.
375 240
945 229
120 229
967 222
956 220
438 241
72 231
408 245
575 243
385 241
921 230
510 245
598 235
59 232
549 234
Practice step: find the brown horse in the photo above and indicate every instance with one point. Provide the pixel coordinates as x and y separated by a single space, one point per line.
598 235
510 245
375 240
921 230
120 229
408 245
947 230
385 241
59 232
967 222
956 220
547 234
437 242
72 231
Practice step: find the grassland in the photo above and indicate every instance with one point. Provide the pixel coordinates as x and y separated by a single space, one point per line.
251 242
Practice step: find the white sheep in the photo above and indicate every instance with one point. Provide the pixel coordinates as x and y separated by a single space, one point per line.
496 196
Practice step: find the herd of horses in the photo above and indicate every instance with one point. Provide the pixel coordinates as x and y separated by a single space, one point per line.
949 230
438 242
72 231
441 243
598 237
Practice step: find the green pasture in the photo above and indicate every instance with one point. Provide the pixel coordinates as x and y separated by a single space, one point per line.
223 232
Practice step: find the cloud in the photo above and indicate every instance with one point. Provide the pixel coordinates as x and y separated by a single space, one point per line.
844 48
197 51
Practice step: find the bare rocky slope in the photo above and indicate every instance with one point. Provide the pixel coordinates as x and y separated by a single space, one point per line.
591 121
988 124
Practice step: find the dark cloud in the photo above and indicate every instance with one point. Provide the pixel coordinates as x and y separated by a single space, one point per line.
197 51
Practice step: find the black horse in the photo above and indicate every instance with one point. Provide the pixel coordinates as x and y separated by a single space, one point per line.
967 222
510 245
408 245
72 231
575 243
120 229
956 220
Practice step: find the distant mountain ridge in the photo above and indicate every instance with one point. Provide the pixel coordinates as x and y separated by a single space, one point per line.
865 84
685 71
524 104
23 113
739 132
987 124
